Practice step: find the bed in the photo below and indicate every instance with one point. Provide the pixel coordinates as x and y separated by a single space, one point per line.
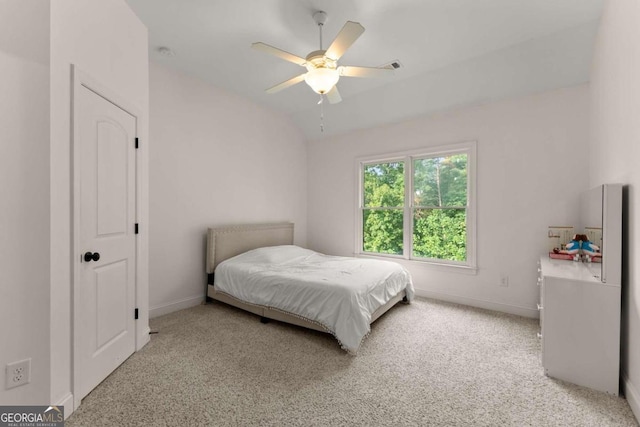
257 268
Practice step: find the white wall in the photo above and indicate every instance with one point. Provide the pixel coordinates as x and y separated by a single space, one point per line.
24 195
532 157
614 154
108 42
216 159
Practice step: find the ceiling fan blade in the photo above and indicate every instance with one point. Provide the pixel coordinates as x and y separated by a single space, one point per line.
279 53
333 95
286 84
345 38
350 71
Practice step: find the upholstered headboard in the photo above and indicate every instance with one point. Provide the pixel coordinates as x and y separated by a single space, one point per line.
229 241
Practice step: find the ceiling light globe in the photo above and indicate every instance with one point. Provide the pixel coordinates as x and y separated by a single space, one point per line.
322 80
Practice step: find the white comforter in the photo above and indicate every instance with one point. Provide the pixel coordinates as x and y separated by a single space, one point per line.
337 292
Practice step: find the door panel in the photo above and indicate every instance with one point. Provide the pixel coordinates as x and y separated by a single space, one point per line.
112 178
106 138
111 294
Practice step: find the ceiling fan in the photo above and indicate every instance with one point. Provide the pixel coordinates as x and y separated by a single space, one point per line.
322 67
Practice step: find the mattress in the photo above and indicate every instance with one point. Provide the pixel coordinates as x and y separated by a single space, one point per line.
339 293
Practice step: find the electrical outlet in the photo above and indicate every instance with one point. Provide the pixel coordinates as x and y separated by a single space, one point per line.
504 281
18 373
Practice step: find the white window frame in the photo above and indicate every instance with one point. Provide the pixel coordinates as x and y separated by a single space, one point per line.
468 148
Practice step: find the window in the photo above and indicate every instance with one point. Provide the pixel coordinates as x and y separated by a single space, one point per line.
419 205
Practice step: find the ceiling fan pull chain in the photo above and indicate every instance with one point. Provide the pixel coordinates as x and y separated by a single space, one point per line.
321 114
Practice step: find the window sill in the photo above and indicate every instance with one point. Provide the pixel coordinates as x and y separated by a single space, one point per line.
449 268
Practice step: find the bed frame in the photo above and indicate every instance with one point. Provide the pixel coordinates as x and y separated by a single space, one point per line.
229 241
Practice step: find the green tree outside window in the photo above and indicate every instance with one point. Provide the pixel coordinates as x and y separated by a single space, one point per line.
383 208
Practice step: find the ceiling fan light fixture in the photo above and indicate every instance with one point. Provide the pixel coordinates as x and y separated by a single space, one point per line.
322 80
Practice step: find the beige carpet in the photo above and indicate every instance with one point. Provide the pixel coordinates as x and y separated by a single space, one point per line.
428 363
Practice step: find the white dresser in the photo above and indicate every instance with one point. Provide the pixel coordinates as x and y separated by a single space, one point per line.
580 324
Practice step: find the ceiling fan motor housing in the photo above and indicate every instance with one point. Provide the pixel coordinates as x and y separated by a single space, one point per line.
317 59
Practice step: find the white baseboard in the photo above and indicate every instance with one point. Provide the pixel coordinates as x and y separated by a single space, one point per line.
631 394
175 306
489 305
67 402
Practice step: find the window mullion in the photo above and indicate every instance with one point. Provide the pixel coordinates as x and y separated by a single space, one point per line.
382 208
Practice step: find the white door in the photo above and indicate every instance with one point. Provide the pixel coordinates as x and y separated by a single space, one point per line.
106 136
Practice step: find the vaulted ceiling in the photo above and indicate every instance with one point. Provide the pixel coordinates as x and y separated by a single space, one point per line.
453 52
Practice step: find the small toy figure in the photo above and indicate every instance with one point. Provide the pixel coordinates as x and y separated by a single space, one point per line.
589 248
573 247
580 246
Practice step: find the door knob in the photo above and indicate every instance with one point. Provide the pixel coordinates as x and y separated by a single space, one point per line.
88 256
